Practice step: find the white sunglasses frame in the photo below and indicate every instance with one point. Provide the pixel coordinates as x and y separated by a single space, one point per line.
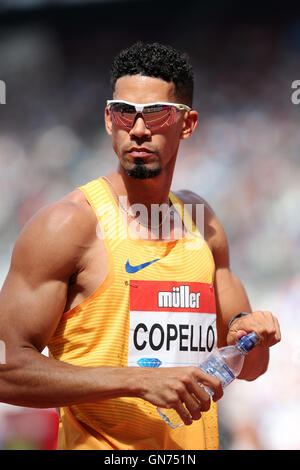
140 107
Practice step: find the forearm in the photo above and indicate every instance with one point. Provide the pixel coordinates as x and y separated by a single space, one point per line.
36 381
41 382
256 363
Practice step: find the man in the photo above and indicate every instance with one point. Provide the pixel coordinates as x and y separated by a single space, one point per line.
126 311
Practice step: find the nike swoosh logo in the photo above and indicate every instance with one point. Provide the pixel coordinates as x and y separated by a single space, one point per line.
134 269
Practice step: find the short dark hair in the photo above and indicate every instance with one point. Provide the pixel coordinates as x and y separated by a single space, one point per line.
159 61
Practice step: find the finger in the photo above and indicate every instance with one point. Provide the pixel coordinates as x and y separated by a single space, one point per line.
277 328
240 334
183 413
263 323
201 396
269 329
276 334
210 382
195 406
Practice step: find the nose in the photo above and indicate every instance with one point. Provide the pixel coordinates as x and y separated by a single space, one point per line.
139 128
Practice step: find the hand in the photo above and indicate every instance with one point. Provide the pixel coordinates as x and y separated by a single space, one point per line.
174 387
264 323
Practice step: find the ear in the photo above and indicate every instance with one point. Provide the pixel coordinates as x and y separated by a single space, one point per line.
108 123
189 124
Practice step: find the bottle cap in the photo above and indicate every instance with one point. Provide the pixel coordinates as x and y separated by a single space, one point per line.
247 342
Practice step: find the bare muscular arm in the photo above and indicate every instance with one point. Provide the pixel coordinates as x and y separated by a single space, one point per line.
32 300
231 299
48 251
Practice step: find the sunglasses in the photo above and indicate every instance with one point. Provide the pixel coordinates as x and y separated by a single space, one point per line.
155 115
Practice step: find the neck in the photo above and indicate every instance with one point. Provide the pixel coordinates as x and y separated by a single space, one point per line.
148 202
142 191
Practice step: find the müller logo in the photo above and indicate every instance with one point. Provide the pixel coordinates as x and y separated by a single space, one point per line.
2 92
179 296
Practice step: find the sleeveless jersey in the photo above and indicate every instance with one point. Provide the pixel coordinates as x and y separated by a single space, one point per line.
156 308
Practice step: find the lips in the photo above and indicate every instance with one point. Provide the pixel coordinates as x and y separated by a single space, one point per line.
140 152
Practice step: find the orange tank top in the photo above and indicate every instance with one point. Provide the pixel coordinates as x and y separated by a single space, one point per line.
156 308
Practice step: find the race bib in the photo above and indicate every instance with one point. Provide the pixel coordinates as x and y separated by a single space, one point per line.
171 323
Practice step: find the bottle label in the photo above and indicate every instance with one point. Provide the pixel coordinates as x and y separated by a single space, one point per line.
228 374
171 323
219 370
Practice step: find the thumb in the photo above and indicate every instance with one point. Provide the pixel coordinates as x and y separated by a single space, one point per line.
240 334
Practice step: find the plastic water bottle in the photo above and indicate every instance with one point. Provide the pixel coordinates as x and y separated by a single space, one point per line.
225 364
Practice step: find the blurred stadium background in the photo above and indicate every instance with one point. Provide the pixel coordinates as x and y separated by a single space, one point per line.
244 159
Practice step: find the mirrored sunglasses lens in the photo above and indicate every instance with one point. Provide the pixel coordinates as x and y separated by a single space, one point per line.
155 116
123 114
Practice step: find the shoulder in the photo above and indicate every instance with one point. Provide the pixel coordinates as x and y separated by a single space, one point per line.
71 214
214 232
56 234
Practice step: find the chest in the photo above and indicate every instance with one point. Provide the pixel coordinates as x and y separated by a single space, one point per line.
141 258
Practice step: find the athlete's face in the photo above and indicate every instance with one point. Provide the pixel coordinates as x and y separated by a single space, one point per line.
142 152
